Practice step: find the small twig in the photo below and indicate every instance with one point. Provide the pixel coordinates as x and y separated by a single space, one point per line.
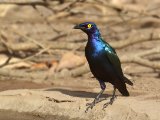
3 38
140 61
145 36
25 59
30 39
35 41
23 2
58 101
58 36
6 62
46 21
123 7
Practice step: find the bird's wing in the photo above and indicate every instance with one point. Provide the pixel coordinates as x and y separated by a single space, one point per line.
108 46
113 59
115 62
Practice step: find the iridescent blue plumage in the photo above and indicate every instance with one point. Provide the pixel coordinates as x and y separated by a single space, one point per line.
103 62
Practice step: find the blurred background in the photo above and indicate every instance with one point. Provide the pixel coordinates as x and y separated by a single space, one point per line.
39 47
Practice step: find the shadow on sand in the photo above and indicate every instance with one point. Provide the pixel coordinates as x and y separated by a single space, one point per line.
78 93
86 94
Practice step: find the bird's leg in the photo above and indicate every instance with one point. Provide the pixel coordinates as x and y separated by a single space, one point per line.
96 100
92 104
111 100
113 96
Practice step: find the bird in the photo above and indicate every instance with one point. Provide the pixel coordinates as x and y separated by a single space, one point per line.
104 63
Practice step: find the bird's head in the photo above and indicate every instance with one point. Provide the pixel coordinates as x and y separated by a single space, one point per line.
87 27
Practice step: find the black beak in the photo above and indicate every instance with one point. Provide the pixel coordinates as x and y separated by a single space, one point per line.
76 27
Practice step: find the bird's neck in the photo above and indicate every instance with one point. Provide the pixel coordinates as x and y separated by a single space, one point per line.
95 42
94 36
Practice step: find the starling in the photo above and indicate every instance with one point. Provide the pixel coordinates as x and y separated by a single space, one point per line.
103 62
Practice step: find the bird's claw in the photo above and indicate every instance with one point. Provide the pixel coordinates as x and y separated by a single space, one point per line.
91 105
105 105
110 102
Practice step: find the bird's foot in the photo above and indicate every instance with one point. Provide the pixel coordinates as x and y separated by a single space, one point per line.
92 104
110 102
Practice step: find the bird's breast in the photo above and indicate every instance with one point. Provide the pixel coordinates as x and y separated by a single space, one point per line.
94 50
96 54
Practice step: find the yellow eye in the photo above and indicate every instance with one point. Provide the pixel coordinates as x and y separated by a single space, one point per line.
89 26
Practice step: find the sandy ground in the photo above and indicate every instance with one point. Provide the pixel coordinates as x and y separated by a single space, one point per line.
13 84
65 101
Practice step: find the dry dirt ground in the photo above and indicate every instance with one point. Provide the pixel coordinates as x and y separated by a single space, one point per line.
66 99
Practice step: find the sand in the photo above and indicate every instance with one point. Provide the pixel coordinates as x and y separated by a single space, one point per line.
58 104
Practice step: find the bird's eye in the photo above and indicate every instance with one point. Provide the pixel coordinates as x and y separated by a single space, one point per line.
89 25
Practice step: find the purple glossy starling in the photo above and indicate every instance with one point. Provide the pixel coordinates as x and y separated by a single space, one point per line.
103 62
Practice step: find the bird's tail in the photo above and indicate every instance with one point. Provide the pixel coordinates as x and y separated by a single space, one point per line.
126 80
124 91
121 86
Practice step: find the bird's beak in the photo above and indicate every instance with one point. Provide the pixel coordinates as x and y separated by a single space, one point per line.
76 27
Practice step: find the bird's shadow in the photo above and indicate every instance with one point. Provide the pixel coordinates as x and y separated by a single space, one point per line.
78 93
